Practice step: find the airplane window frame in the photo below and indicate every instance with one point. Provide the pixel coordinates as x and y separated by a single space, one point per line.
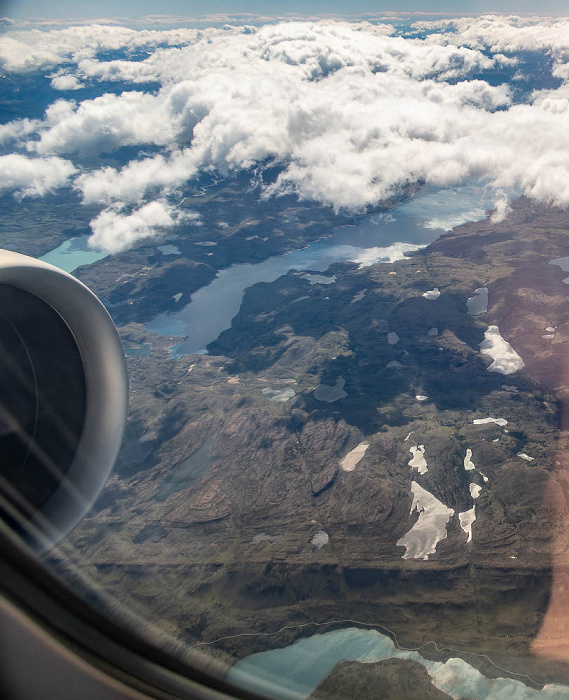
110 647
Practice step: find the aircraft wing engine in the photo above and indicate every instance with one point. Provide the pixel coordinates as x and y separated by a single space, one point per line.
63 398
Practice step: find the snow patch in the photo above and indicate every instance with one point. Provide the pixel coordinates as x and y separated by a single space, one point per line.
505 359
432 294
527 458
466 519
359 296
475 490
279 395
418 461
468 464
483 421
348 464
392 338
320 539
430 528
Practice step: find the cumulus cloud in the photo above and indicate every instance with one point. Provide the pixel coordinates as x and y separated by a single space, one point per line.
349 112
18 129
311 50
32 50
508 34
104 124
500 33
116 231
328 101
135 180
33 177
502 209
66 82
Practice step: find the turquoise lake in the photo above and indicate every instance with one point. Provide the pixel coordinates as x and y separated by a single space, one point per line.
293 672
73 253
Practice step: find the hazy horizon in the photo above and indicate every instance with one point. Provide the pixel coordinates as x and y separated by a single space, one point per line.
179 10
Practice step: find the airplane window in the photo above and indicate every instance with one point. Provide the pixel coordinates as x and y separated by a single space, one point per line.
336 253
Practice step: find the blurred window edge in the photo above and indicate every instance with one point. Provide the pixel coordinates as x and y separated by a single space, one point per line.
85 646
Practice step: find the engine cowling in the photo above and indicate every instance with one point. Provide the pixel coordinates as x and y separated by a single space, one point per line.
63 399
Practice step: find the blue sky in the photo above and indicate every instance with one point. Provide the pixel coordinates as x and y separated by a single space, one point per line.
20 9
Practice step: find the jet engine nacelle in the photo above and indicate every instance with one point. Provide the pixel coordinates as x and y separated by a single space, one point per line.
63 399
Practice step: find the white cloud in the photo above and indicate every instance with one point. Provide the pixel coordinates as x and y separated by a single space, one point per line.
501 33
311 50
241 97
390 254
502 210
18 129
333 102
66 82
350 113
115 231
104 124
33 177
32 50
133 182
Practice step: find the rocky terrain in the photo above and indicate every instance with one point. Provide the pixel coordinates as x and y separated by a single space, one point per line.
34 227
236 506
241 228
